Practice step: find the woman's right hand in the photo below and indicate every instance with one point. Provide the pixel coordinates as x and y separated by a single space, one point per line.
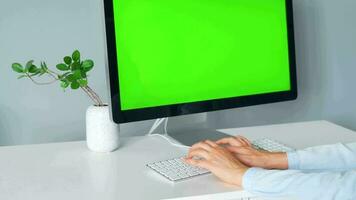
246 154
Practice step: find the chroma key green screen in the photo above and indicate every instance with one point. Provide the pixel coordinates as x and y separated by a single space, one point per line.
183 51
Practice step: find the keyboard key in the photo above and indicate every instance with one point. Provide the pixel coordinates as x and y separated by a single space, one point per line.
176 169
271 145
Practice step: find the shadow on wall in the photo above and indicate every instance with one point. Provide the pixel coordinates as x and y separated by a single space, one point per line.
9 134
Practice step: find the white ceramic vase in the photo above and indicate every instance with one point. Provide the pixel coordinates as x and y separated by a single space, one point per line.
102 133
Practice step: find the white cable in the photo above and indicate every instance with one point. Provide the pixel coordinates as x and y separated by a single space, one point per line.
165 126
156 122
155 125
172 143
165 136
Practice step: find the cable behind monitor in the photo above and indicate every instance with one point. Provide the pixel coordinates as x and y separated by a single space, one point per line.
165 135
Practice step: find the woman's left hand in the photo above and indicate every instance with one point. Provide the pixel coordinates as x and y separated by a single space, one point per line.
220 161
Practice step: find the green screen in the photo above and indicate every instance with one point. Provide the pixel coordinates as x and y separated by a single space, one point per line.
182 51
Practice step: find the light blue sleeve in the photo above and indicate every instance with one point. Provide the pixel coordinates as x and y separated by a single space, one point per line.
328 157
304 186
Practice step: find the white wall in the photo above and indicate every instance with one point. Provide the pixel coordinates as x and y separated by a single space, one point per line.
50 29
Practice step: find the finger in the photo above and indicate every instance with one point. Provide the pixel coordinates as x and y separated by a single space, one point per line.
243 140
201 153
239 150
246 140
233 149
202 145
199 163
211 143
223 141
230 141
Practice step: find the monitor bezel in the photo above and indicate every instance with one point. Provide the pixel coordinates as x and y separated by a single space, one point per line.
125 116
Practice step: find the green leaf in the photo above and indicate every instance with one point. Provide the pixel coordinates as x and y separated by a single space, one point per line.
29 64
76 55
64 84
67 60
83 74
83 82
22 76
32 69
17 67
44 66
42 71
62 67
63 76
74 85
75 66
71 78
87 65
36 72
77 74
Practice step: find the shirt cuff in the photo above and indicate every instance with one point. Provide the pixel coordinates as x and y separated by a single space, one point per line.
293 160
248 178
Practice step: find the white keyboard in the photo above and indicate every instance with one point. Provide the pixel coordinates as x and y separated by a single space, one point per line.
176 169
271 145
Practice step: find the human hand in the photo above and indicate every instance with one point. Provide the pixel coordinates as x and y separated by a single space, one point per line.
246 154
217 159
237 141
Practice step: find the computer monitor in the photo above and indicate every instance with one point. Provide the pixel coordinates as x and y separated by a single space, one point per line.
176 57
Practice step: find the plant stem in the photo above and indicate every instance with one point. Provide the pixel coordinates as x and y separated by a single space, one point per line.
90 92
93 95
38 83
90 95
51 74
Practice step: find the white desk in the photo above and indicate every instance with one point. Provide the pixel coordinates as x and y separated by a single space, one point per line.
69 171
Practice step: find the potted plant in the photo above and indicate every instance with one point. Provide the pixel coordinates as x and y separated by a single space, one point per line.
101 132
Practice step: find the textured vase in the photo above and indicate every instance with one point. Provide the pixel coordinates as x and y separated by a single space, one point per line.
102 134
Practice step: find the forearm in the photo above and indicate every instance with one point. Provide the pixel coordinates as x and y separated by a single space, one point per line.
336 186
329 157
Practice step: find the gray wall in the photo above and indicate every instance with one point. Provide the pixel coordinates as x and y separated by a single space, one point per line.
326 61
50 29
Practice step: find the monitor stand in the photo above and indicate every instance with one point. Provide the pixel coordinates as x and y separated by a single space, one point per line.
189 136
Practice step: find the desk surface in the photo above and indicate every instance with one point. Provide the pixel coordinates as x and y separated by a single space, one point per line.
70 171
